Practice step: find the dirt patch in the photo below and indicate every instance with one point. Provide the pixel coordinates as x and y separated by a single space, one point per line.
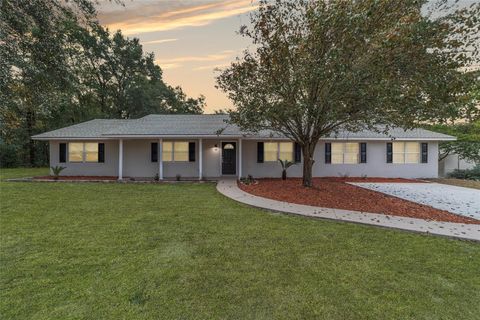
336 193
77 178
458 182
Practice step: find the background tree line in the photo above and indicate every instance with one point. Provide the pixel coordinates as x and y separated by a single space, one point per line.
467 130
59 66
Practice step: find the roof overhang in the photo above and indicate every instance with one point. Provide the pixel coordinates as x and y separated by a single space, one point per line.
391 139
140 137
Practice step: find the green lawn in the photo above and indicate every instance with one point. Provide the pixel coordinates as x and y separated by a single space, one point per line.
23 172
183 251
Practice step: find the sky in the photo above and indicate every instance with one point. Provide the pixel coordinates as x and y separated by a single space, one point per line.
190 38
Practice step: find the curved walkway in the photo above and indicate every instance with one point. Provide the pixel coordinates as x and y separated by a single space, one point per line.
230 189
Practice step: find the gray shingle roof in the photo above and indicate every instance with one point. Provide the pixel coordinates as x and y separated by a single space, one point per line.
174 124
203 125
397 133
90 129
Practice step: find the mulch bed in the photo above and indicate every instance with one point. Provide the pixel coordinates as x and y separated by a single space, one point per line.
77 178
336 193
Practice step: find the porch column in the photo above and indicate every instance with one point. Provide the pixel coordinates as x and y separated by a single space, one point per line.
239 158
160 159
120 159
200 159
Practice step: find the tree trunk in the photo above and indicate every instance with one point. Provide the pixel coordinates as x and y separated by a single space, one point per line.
30 121
308 151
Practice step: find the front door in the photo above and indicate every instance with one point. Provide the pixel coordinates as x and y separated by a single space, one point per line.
229 158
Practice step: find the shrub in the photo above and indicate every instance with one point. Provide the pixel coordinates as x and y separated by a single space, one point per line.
248 180
467 174
8 156
285 165
56 171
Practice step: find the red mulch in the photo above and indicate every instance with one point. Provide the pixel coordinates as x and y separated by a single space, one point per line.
373 180
76 178
335 193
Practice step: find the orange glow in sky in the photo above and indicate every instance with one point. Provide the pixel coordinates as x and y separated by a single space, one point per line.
190 38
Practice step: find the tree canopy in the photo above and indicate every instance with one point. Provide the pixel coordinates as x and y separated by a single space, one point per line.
59 66
319 66
467 146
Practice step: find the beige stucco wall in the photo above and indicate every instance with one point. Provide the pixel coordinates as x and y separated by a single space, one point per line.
137 162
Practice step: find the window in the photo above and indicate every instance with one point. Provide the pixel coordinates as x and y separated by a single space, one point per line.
91 152
175 151
270 151
180 151
345 153
167 151
406 152
285 151
75 152
83 152
278 150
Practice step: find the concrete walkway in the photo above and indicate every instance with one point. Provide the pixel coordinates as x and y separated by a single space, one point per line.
230 189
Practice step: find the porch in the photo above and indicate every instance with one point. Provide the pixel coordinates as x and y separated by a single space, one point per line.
186 159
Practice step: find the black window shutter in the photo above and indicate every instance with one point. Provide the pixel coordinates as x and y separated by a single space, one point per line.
154 152
298 153
389 152
424 152
363 152
191 151
260 152
62 155
328 152
101 152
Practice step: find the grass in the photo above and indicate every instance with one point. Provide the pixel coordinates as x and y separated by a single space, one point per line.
23 173
459 182
182 251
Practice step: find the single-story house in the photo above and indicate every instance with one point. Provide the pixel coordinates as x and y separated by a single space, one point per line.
207 147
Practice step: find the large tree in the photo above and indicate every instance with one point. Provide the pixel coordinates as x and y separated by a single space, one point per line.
58 67
35 75
319 66
123 81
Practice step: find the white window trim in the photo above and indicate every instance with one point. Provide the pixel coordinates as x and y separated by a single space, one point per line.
344 144
172 158
84 154
278 151
405 153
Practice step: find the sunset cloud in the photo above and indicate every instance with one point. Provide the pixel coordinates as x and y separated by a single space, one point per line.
190 38
169 66
212 67
203 58
164 15
158 41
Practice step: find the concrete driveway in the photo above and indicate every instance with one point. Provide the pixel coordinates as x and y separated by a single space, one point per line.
459 200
